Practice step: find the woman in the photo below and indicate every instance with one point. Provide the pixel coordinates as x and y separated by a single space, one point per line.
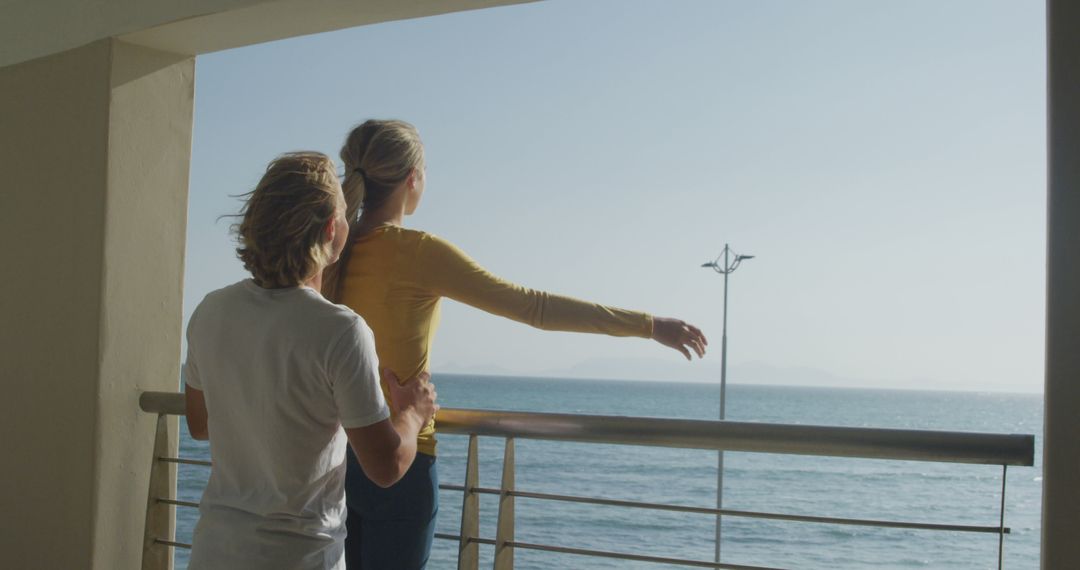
394 278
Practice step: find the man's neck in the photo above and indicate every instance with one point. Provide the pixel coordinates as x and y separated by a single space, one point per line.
315 282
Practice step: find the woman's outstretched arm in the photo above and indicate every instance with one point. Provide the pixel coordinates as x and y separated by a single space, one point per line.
450 272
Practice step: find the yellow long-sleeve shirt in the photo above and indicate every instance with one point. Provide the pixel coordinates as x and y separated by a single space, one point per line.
395 278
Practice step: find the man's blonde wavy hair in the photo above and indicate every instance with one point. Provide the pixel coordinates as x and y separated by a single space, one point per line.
282 233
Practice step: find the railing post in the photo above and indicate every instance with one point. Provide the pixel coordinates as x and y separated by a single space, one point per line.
468 548
160 517
504 533
1001 522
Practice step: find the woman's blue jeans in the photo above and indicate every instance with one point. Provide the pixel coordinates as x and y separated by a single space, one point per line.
391 529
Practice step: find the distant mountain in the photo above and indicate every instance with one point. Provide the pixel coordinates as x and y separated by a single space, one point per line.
704 371
484 369
640 369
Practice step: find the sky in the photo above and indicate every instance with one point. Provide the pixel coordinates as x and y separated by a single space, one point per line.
884 161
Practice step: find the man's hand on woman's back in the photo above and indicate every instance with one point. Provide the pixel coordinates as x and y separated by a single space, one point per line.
415 396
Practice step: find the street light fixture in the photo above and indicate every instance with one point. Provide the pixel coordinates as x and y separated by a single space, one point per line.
729 266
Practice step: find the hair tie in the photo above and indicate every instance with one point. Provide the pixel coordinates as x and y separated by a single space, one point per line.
360 171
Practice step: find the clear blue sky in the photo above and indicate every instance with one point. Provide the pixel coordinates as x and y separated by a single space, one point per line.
884 160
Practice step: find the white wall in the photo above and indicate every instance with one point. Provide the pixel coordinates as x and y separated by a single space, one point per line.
95 146
34 28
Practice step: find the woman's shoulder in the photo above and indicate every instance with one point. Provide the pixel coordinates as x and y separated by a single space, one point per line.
414 237
412 234
409 242
396 233
390 234
436 245
429 249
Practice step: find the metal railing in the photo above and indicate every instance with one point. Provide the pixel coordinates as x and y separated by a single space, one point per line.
867 443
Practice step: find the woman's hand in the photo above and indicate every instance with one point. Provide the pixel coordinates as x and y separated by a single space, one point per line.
679 335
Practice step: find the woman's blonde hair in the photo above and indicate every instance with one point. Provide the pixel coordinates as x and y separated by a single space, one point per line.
282 232
378 155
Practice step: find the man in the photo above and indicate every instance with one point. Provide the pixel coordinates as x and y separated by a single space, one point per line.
279 379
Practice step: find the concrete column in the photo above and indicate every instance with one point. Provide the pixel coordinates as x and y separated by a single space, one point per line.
94 148
1061 444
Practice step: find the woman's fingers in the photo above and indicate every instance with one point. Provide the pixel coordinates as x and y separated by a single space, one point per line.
700 335
693 338
698 348
680 335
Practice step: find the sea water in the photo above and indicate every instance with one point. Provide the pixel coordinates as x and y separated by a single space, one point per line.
907 491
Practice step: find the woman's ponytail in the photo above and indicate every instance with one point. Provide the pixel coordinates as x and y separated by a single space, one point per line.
378 156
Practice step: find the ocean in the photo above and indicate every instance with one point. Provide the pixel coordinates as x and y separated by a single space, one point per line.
876 489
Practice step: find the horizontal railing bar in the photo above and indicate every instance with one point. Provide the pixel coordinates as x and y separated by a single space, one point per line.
735 513
178 502
185 461
457 537
606 554
867 443
172 543
635 557
171 403
749 514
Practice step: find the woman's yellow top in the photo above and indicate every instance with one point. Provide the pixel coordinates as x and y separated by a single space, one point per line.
395 277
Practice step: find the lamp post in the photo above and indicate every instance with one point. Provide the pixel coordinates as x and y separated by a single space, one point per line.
726 269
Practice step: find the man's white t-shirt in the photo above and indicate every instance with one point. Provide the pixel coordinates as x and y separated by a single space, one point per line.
282 371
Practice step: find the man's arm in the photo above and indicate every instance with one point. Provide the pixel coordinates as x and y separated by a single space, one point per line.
386 449
196 413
